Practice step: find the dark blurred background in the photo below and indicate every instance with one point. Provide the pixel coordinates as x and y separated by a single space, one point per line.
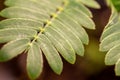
89 67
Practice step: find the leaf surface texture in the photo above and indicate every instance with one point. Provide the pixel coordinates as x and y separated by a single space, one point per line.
45 27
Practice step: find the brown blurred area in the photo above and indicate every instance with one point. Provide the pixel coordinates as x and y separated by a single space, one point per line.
89 67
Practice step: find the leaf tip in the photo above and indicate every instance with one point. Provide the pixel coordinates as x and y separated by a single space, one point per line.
4 56
117 68
101 48
117 72
58 72
32 75
72 61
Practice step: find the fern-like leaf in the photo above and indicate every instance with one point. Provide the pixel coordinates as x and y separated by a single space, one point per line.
51 27
110 39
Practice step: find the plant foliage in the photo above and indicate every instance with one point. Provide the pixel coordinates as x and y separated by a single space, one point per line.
51 27
110 39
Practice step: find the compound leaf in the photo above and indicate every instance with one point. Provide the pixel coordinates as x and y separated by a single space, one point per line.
51 27
34 61
110 39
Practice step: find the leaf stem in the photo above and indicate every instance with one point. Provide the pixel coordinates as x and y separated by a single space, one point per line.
52 18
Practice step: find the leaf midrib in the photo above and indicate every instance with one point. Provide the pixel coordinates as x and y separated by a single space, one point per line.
52 18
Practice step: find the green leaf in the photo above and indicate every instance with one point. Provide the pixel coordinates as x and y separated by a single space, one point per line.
117 68
13 48
113 55
9 34
34 61
54 28
73 39
20 23
62 45
84 20
78 31
110 39
21 12
82 8
51 54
